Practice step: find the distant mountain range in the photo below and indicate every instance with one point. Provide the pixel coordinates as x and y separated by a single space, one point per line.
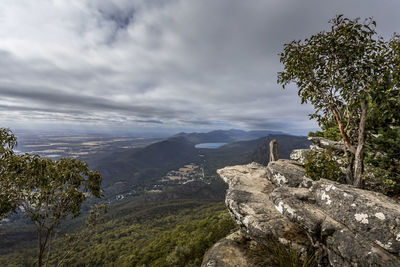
142 168
225 136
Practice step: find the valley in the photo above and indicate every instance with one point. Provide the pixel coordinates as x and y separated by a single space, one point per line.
143 178
136 165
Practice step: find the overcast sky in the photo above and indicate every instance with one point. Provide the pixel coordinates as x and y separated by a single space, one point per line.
158 64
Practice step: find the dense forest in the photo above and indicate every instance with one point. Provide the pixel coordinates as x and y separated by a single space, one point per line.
173 233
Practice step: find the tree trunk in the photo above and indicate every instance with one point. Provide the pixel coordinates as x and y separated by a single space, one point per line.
359 155
343 133
350 169
42 247
49 250
40 256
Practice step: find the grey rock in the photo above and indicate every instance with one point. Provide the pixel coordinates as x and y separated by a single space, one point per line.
248 201
285 172
227 253
347 226
320 142
357 227
300 155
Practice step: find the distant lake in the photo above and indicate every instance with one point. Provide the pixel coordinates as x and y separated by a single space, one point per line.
210 145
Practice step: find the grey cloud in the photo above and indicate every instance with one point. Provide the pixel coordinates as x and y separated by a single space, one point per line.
261 123
119 16
150 121
265 124
38 109
173 63
197 122
52 97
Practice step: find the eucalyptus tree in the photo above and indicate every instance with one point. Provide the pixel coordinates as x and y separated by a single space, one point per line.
342 72
46 191
8 189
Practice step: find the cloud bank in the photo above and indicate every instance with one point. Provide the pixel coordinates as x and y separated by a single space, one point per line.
160 64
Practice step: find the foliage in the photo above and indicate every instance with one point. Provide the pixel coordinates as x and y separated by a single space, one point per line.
173 233
7 198
286 256
383 164
383 143
343 73
384 180
329 130
95 218
325 164
46 191
274 253
7 142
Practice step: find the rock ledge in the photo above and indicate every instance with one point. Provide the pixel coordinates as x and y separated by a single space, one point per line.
348 226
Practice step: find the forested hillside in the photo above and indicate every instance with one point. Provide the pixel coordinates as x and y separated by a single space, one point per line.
138 170
172 233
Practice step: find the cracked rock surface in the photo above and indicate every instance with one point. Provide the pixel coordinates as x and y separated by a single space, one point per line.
358 227
353 227
248 201
285 172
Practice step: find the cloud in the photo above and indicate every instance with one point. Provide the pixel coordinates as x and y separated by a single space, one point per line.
63 101
170 64
150 121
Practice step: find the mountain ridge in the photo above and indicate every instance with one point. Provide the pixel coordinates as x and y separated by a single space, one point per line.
226 136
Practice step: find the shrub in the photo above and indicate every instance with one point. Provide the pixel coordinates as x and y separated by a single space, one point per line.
326 164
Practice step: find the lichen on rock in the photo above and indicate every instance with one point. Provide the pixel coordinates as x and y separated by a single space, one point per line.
346 225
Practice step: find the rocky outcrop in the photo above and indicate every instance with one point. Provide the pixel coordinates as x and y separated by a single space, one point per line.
300 155
248 202
285 172
348 226
320 142
227 252
357 227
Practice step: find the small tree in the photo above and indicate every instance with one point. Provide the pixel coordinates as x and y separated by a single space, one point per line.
8 192
342 72
46 191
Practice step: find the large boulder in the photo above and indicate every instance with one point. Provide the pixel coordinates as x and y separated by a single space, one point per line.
285 172
300 155
227 252
357 227
248 201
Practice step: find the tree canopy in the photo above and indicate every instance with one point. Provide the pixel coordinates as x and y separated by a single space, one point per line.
7 197
348 74
46 191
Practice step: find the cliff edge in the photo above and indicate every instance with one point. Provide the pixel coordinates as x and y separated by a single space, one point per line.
339 224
